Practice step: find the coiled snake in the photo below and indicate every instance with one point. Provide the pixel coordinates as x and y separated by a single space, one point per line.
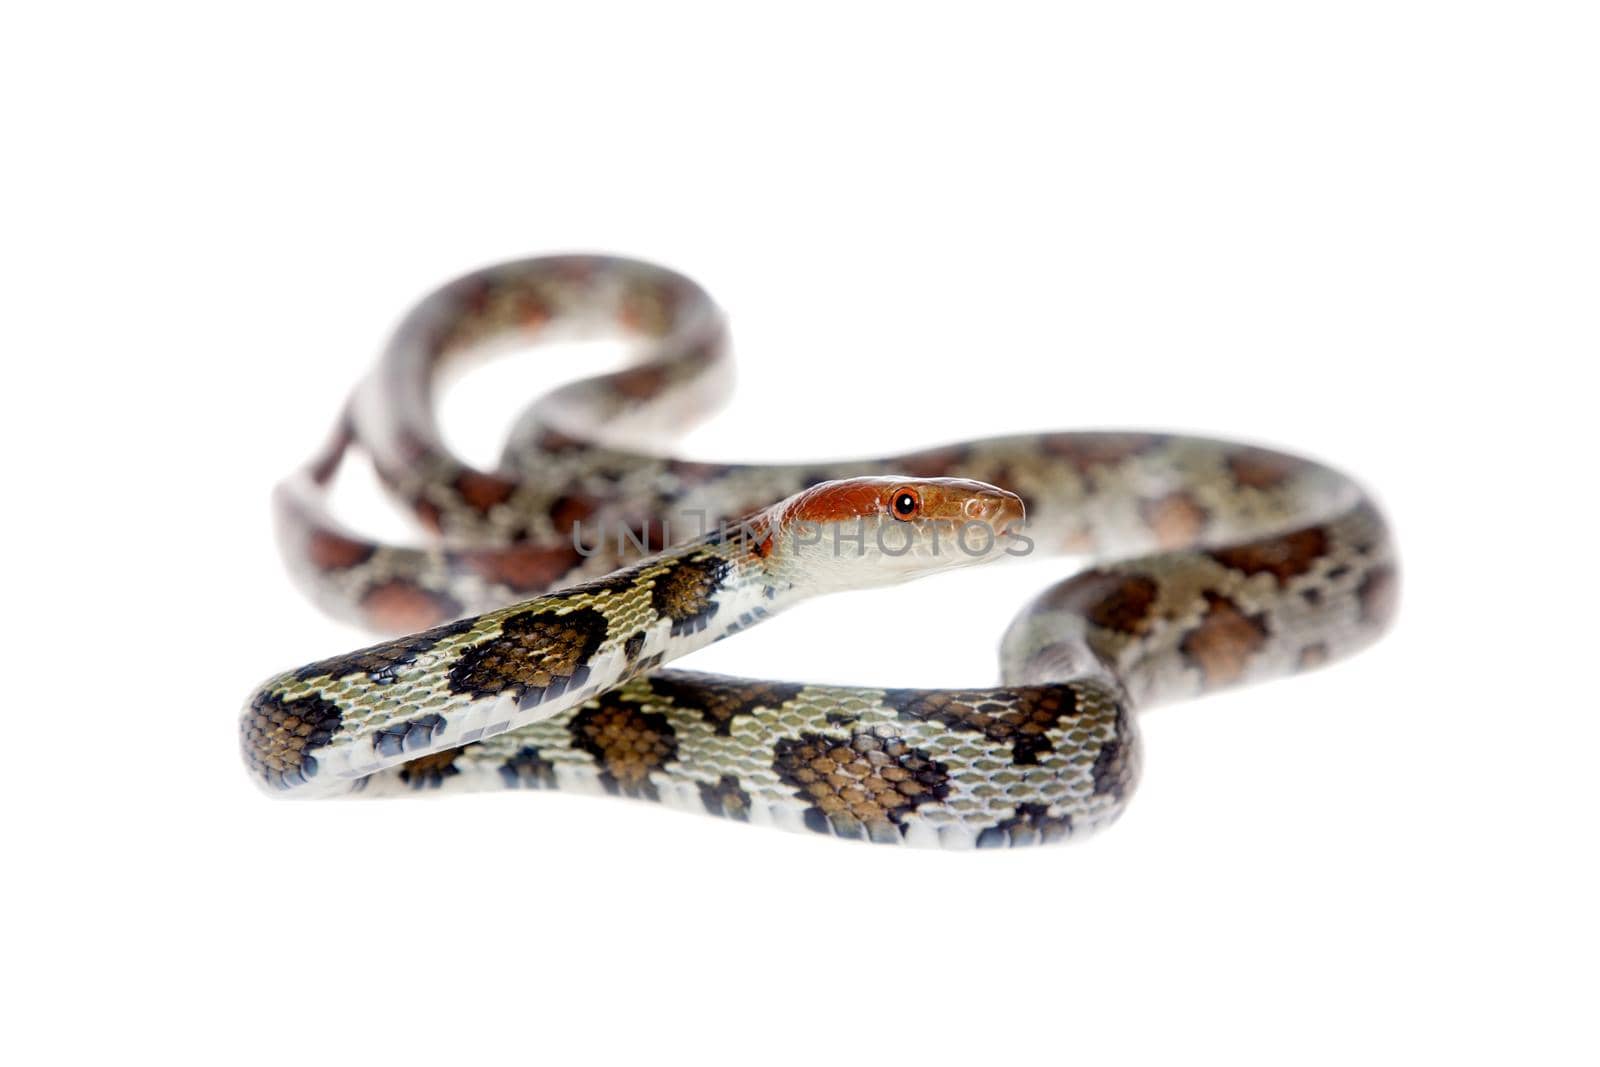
553 588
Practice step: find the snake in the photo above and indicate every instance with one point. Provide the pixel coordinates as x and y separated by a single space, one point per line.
527 626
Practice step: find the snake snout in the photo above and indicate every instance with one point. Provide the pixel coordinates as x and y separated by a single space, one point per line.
1001 510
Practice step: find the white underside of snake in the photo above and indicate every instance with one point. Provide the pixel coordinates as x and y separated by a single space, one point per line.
533 657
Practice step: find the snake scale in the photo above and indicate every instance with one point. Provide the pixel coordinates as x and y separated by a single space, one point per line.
535 617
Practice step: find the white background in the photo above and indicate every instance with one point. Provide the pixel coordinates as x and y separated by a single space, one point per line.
1367 232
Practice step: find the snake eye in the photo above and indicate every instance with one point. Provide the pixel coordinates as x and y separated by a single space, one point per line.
905 503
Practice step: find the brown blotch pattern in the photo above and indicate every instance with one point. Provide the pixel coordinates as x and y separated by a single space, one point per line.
639 383
279 736
572 509
689 473
428 513
684 593
861 783
637 538
531 312
626 741
493 305
525 568
648 309
1257 468
1016 717
719 701
1111 601
482 492
1086 451
1284 557
1177 519
382 662
401 607
429 772
1221 646
537 654
329 551
557 442
935 462
1312 656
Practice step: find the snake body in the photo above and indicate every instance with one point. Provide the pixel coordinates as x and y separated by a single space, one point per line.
531 657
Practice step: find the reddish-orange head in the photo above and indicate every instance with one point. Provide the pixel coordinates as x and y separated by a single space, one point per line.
860 532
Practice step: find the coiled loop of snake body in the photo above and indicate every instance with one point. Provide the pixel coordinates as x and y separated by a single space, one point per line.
532 660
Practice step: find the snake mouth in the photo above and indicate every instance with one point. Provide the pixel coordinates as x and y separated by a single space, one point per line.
1007 517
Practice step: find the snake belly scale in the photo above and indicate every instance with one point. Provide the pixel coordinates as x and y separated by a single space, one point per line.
528 659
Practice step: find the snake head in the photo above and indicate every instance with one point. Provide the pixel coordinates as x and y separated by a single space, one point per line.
862 532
